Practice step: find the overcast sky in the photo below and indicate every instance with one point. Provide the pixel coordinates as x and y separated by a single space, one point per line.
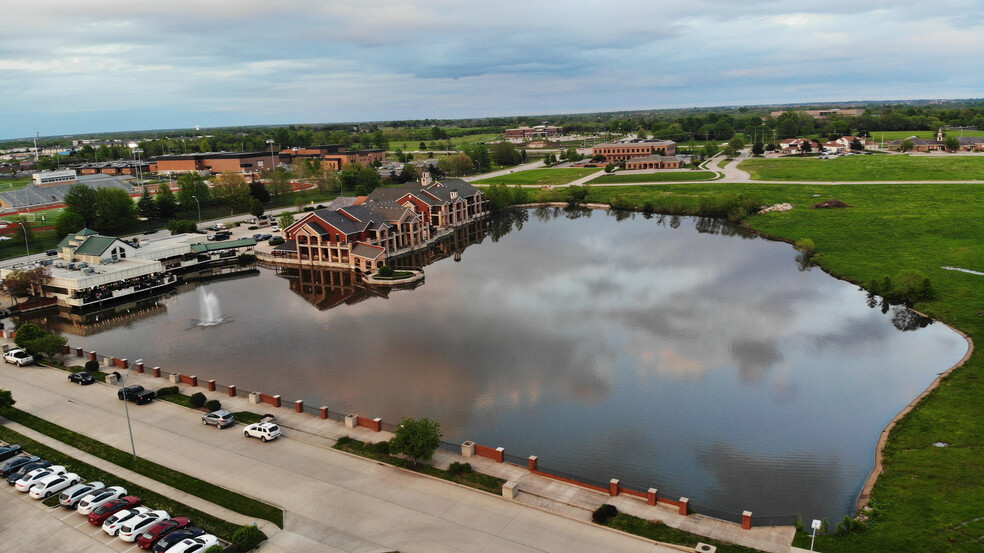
103 65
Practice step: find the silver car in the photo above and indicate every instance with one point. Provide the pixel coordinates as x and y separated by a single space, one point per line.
220 419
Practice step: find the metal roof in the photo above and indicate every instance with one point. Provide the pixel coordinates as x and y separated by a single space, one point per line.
241 243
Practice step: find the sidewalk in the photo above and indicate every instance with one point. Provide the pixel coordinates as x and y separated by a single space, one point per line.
536 491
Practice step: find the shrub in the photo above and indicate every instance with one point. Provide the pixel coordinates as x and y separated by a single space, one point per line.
245 259
382 448
344 440
213 405
806 246
92 366
416 438
215 549
457 468
648 207
167 391
386 271
603 513
849 526
247 537
197 400
276 241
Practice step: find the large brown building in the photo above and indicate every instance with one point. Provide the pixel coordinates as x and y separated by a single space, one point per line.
624 151
820 114
538 131
654 161
336 156
218 162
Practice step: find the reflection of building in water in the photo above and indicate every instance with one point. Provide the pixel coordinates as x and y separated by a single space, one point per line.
68 321
326 288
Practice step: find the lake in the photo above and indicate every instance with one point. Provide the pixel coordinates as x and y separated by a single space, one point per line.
668 352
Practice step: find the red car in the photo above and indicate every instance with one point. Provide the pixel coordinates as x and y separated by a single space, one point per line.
157 531
106 510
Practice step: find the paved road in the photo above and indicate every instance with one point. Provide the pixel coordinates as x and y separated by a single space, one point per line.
332 501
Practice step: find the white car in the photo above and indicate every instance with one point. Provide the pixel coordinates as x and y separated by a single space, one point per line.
30 479
90 502
18 357
194 545
54 483
262 430
70 498
132 528
114 523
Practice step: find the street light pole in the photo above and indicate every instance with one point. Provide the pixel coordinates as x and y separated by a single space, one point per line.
272 163
126 408
27 248
199 208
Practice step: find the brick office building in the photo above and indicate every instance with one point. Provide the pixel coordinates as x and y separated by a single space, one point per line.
624 151
336 156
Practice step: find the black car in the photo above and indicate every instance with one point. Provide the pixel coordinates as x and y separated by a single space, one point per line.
51 252
16 475
136 393
8 451
81 378
176 536
13 465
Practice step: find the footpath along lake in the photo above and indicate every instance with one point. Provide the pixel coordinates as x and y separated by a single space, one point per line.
675 353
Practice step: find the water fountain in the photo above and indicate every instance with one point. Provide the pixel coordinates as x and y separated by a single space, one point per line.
209 311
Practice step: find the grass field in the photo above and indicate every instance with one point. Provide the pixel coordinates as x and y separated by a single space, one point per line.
458 141
540 177
928 499
7 185
868 168
655 177
877 136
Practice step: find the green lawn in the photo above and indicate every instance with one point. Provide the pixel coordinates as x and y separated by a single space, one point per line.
655 177
7 185
868 168
929 135
540 177
458 141
928 499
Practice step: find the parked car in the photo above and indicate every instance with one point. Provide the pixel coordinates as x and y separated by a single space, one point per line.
160 529
262 430
136 393
176 536
257 237
99 515
275 228
10 450
194 545
16 475
53 484
14 464
51 252
81 378
30 479
97 498
115 522
220 419
132 529
70 497
266 236
18 357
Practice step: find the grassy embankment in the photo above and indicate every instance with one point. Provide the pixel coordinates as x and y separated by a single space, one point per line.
928 498
189 484
540 177
868 168
677 176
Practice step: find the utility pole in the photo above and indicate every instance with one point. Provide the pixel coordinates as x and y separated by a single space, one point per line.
36 135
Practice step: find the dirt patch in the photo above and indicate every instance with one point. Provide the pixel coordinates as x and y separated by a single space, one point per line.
831 204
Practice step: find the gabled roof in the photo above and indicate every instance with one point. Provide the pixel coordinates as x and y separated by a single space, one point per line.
463 188
367 251
241 243
96 245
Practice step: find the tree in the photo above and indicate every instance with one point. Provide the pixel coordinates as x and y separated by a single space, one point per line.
16 285
738 142
38 279
906 145
192 186
6 399
165 202
145 205
286 220
115 211
710 149
81 199
68 222
181 226
256 208
367 179
505 153
609 167
409 173
233 190
730 151
416 438
806 147
259 191
279 180
456 165
952 144
499 196
758 148
857 145
28 333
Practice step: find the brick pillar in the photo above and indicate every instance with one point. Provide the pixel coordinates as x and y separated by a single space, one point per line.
66 350
139 367
92 356
194 381
276 400
500 454
377 424
211 385
232 390
157 372
299 406
324 413
684 506
652 497
78 352
533 462
746 520
613 487
125 363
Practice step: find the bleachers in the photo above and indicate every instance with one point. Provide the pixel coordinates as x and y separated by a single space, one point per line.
33 196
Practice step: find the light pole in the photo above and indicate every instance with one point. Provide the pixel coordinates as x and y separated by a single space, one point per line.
199 208
126 408
272 163
27 248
